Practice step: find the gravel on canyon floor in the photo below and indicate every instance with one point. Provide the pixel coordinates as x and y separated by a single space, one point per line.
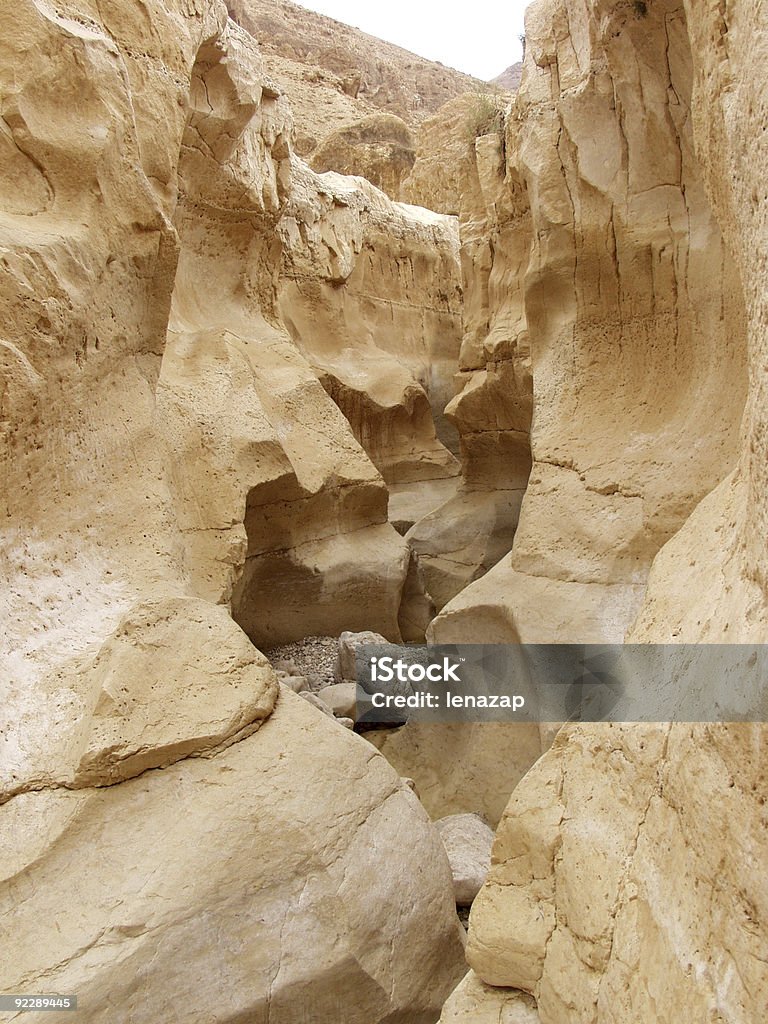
313 657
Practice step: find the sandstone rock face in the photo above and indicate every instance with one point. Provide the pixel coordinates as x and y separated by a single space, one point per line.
467 535
624 884
279 893
90 541
626 283
371 294
340 81
95 720
710 581
231 381
467 841
444 175
341 698
616 872
481 1004
168 453
380 147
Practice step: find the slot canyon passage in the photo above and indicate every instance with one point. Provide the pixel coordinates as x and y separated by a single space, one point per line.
303 336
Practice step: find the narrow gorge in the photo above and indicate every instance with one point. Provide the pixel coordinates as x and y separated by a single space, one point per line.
309 342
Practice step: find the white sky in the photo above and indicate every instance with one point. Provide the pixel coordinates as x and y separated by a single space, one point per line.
479 37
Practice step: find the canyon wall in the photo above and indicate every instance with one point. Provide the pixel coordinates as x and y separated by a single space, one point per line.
635 318
167 453
462 539
371 292
626 882
234 392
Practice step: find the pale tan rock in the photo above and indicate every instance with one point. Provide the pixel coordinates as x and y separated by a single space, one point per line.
710 581
296 683
371 294
317 703
461 769
417 609
166 450
379 147
176 678
91 543
467 841
341 698
624 884
444 175
461 540
626 281
349 643
478 1003
303 559
263 872
617 865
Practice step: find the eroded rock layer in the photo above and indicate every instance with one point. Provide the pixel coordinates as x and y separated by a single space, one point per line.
625 883
635 315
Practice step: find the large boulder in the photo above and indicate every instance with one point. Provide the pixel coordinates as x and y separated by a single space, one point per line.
272 881
467 841
176 678
626 882
349 644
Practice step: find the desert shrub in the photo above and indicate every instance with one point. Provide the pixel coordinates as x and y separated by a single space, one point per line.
485 114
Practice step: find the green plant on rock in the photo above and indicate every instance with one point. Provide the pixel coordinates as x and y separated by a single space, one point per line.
485 114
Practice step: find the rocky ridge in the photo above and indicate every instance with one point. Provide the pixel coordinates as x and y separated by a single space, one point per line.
358 102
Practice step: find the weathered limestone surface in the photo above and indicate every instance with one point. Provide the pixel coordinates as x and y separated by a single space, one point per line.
166 450
481 1004
462 539
91 552
444 175
371 293
175 678
635 315
467 841
380 148
626 882
461 769
256 885
710 581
